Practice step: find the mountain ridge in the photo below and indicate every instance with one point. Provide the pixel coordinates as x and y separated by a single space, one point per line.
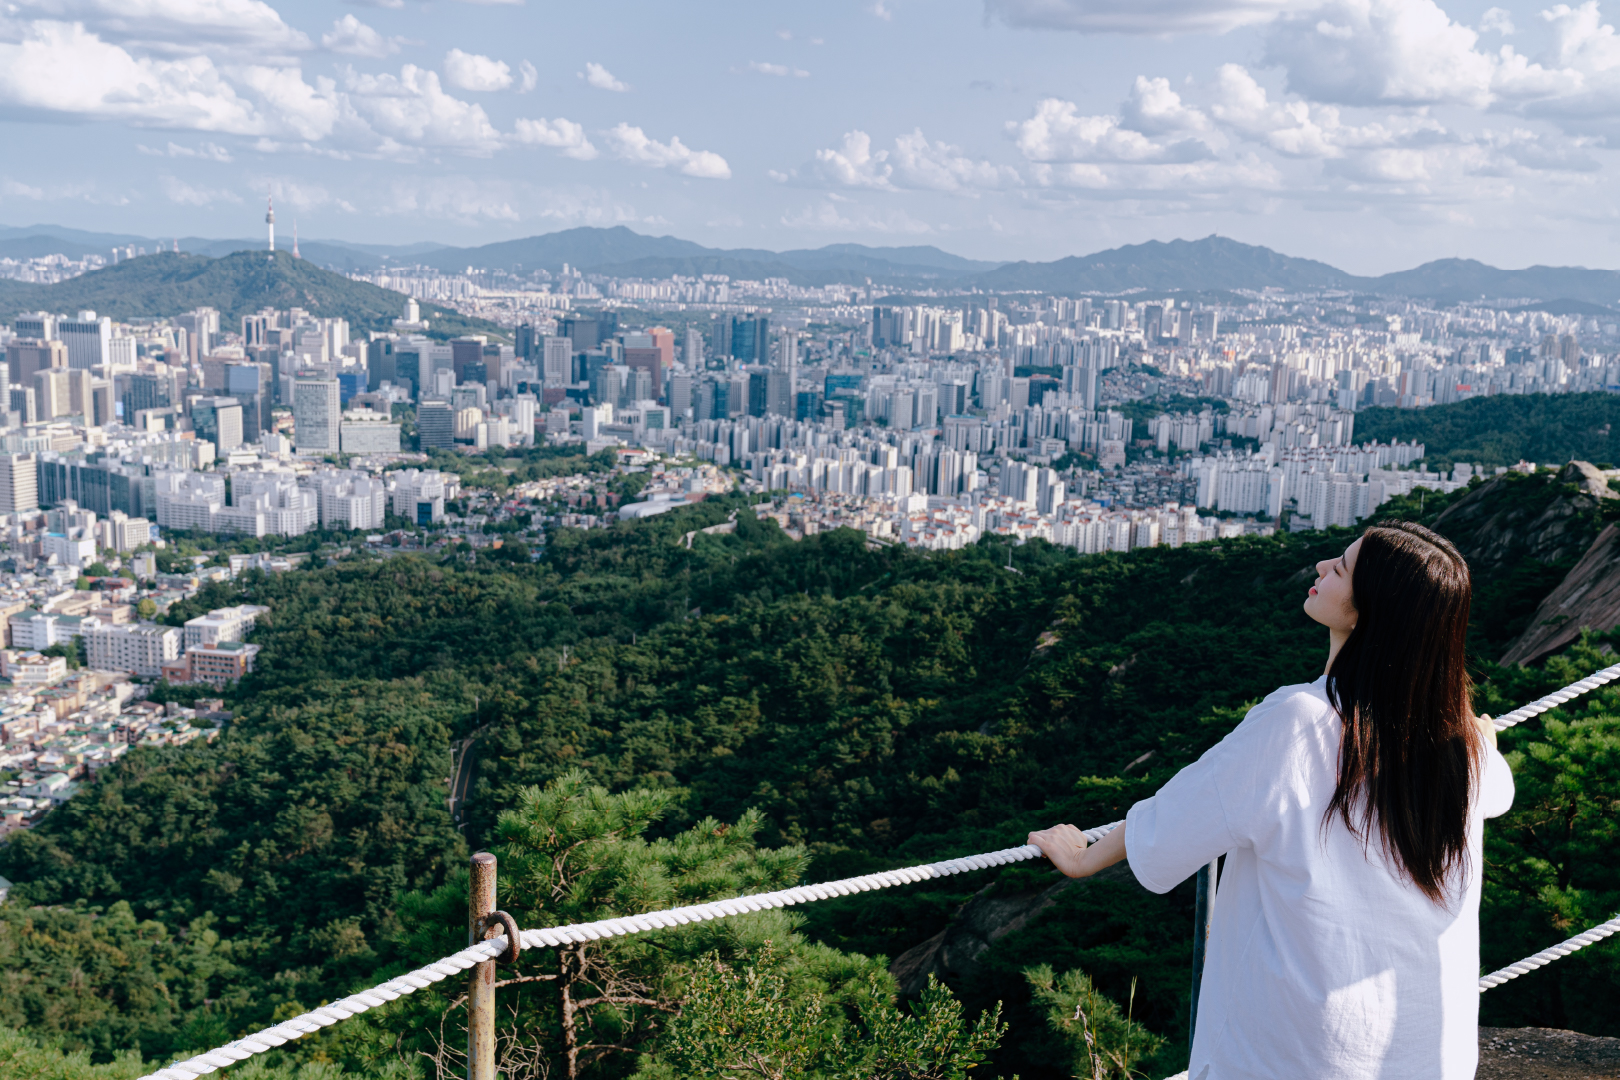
1213 263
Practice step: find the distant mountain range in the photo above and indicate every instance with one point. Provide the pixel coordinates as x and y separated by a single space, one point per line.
1214 263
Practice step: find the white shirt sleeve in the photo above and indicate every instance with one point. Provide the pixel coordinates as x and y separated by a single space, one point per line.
1219 802
1496 788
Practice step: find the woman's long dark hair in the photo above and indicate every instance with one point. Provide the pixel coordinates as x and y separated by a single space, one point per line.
1411 748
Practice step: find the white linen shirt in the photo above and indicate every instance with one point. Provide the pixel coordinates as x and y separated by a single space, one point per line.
1323 963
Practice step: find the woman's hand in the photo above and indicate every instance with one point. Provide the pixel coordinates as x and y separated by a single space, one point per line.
1485 725
1066 846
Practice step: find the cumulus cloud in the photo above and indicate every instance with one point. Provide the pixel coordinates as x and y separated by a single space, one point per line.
530 78
778 70
247 29
1059 132
633 145
1155 17
480 74
1497 21
351 36
600 77
1363 52
412 110
853 163
559 134
914 163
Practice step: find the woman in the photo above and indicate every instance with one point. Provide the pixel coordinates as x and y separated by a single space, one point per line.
1345 936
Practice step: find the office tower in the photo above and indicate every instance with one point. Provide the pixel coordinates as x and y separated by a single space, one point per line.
643 352
1152 322
23 405
24 356
88 339
102 410
201 327
525 343
39 325
720 337
52 394
664 342
219 421
681 387
380 364
557 361
466 352
750 339
582 331
255 330
435 425
693 356
317 412
19 492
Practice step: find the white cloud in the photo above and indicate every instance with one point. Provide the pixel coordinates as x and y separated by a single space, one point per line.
600 77
178 191
1154 17
413 110
914 163
778 70
1497 21
245 29
60 67
1058 132
392 4
470 71
559 134
206 151
351 36
1154 109
633 145
530 77
854 164
1364 52
11 189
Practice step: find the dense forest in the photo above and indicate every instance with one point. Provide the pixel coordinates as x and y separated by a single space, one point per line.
1505 428
650 723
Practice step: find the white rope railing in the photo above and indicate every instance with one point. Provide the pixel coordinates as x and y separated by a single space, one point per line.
409 983
312 1021
1557 697
1547 956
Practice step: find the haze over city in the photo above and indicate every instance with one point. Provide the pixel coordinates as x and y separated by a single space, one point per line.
1374 134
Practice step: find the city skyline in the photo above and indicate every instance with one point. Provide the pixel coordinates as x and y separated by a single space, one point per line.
1372 134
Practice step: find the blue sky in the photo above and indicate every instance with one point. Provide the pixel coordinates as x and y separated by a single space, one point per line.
1374 134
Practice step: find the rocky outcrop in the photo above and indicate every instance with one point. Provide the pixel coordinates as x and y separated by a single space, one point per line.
1511 518
1587 599
985 919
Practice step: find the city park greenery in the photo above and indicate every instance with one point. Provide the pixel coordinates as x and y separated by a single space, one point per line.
653 723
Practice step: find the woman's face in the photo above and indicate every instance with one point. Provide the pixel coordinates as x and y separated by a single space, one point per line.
1332 601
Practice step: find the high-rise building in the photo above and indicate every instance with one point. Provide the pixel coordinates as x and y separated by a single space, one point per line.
750 339
88 339
435 425
219 421
201 327
464 353
693 357
19 490
317 413
39 325
557 362
24 356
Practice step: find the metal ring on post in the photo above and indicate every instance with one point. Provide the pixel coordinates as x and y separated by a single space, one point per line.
514 938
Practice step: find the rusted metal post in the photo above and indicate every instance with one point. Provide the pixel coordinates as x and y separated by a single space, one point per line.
481 985
1203 913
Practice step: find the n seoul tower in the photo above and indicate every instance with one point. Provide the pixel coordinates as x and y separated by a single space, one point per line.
270 221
